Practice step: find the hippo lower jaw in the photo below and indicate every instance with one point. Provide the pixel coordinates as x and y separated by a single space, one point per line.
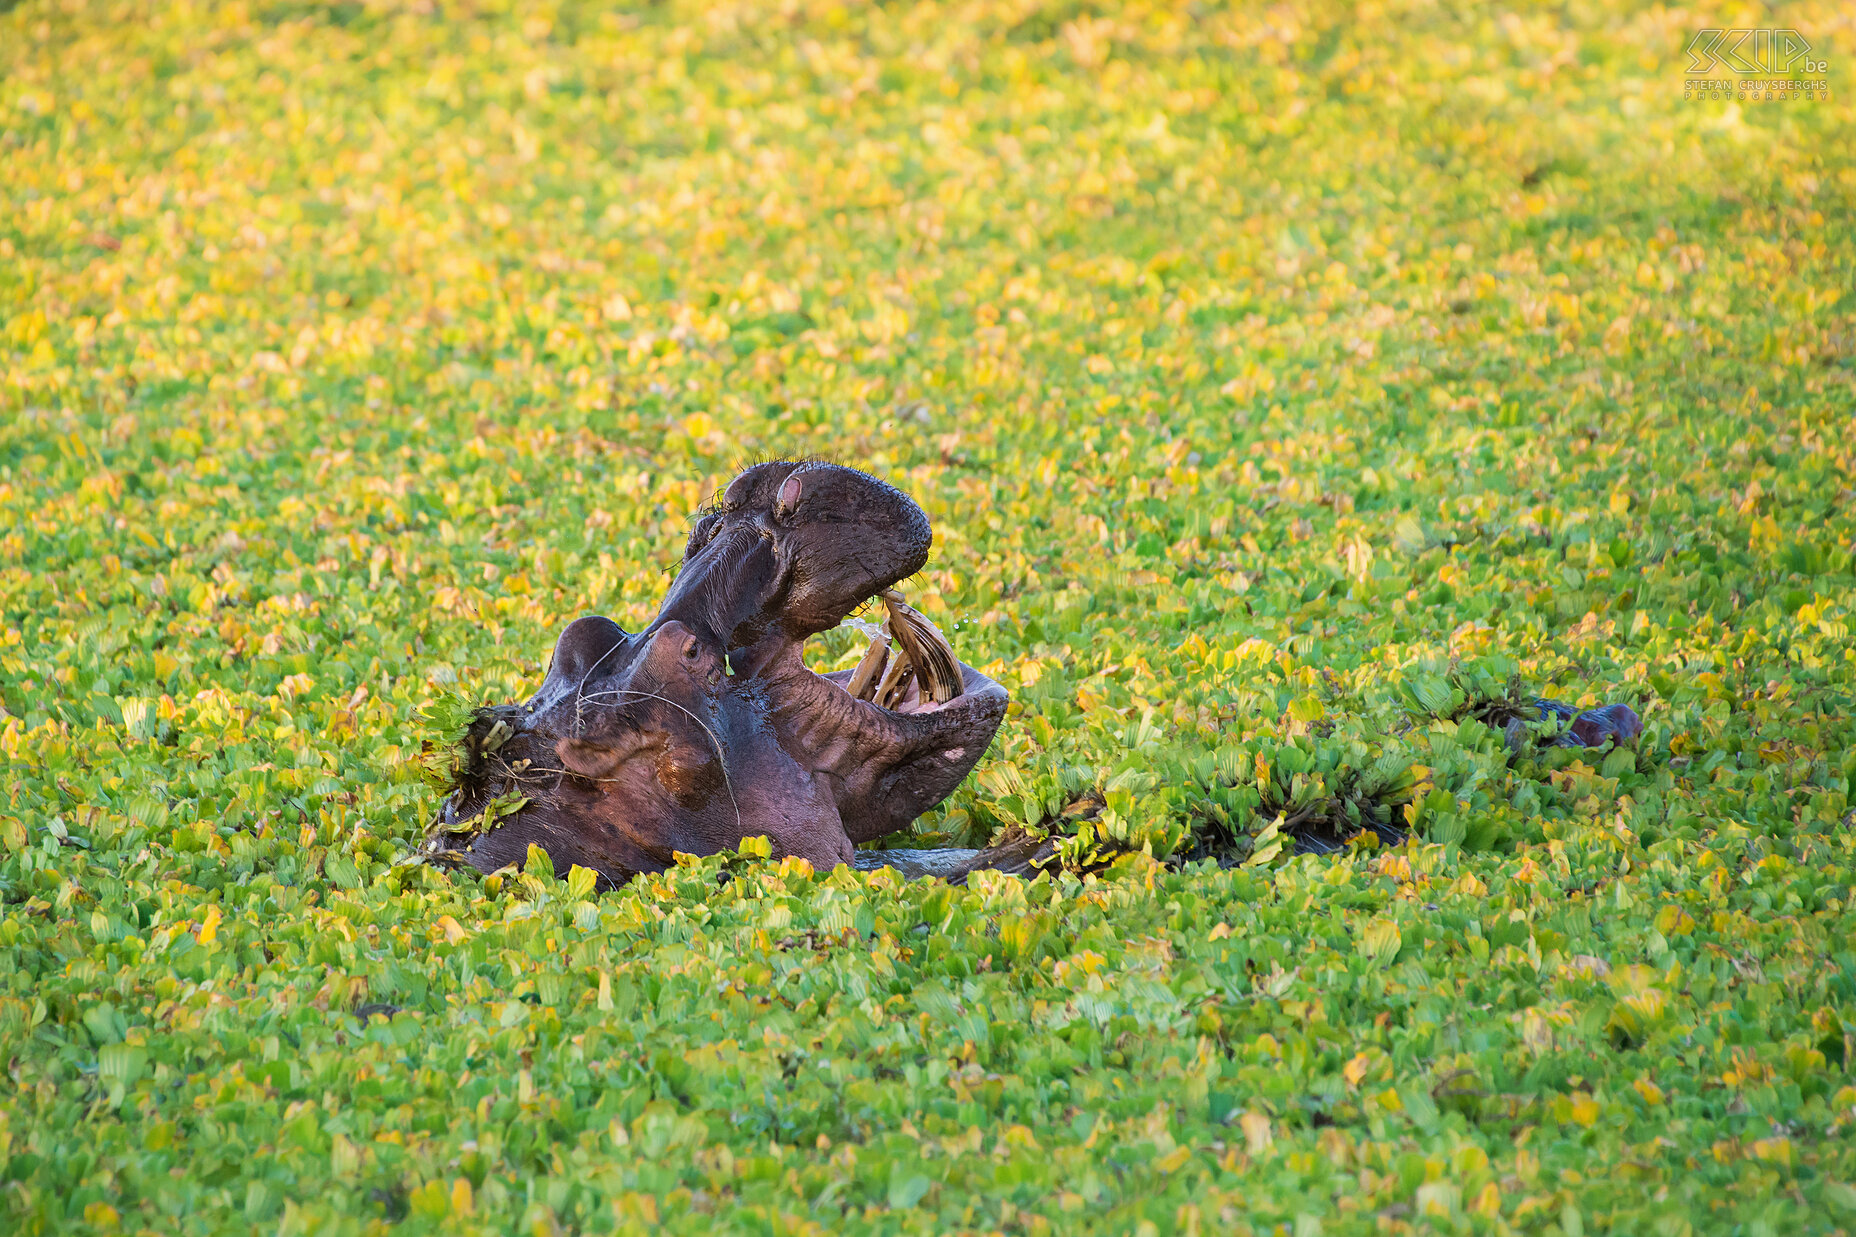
891 741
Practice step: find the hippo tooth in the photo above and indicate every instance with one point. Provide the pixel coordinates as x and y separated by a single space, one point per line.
895 682
870 670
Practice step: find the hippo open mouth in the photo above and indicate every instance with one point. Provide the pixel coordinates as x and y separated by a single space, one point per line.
708 727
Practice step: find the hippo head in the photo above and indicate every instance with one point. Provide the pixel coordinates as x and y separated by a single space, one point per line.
708 727
790 549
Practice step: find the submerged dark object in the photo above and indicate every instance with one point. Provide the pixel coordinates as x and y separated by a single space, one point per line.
707 726
1017 854
1321 829
1611 723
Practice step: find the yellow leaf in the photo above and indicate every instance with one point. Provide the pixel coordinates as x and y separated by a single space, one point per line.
1777 1150
1536 1033
1307 709
209 926
1469 886
1633 980
1257 1133
1173 1160
1651 1093
454 931
1264 854
1019 1136
1674 921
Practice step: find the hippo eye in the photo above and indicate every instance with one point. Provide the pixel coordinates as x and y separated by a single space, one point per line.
739 491
692 649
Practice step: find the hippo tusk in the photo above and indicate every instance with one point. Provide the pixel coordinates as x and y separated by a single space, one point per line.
869 671
936 668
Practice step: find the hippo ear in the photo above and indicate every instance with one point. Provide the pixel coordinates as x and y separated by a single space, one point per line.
599 758
594 761
591 645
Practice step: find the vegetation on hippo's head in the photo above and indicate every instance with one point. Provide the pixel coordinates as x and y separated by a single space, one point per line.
1296 397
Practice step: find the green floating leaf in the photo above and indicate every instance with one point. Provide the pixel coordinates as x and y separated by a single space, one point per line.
1434 693
1410 535
123 1063
907 1189
1381 941
1268 844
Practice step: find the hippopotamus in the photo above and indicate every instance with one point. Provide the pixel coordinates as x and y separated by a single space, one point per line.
707 727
